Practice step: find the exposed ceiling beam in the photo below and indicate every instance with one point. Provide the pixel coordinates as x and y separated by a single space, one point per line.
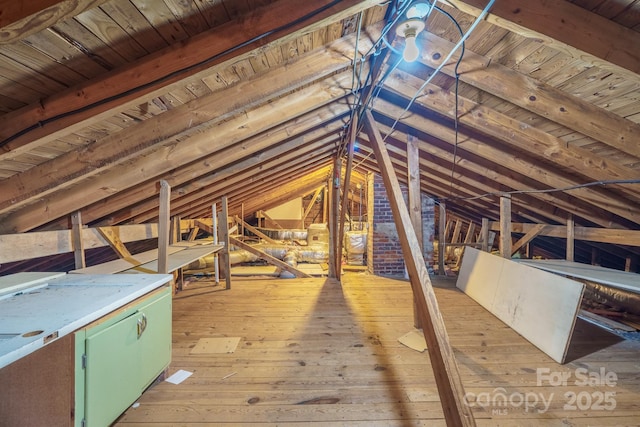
504 129
158 73
566 27
535 96
19 19
200 114
176 152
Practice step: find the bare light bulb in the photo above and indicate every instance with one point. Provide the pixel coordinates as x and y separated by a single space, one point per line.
411 51
410 29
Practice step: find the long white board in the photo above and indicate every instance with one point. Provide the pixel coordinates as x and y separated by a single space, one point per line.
539 305
606 276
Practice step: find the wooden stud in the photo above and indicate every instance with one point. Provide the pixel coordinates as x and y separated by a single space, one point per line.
442 245
216 258
223 237
334 219
353 131
443 362
570 238
505 226
484 233
415 204
76 238
163 227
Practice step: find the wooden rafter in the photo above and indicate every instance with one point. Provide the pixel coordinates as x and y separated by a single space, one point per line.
445 368
565 27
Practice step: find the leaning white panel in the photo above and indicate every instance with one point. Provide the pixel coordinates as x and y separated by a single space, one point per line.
540 306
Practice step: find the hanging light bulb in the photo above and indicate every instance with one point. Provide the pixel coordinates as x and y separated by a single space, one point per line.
411 51
410 29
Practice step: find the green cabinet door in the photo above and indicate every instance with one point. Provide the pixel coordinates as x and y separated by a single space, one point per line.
155 339
112 371
124 355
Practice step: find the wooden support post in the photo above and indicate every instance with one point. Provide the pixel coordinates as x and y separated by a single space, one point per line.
334 220
445 369
570 238
484 233
216 258
223 237
631 263
325 203
415 204
175 235
353 131
442 245
240 226
163 227
505 226
76 237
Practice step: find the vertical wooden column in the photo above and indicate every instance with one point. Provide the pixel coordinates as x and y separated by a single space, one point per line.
442 245
163 227
484 234
505 226
445 368
174 232
353 130
334 220
415 204
223 236
240 226
570 238
325 204
76 237
214 227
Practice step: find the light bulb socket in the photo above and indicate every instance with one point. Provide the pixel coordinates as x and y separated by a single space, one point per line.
410 28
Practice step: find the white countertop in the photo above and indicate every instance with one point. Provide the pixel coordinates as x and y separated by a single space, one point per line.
59 305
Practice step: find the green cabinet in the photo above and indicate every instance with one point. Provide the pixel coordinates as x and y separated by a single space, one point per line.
122 356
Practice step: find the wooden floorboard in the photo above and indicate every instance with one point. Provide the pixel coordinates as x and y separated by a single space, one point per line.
314 352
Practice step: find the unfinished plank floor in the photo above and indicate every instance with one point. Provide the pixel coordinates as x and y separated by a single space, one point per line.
314 352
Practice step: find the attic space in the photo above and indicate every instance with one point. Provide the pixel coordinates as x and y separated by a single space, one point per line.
338 212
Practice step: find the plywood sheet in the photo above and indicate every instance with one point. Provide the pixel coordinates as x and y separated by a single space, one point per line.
540 306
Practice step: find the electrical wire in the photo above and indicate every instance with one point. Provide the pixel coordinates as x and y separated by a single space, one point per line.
442 64
550 190
171 75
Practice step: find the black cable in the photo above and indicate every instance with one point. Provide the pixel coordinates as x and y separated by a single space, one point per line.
550 190
170 75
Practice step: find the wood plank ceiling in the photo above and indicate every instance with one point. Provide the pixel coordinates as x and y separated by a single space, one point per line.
252 99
